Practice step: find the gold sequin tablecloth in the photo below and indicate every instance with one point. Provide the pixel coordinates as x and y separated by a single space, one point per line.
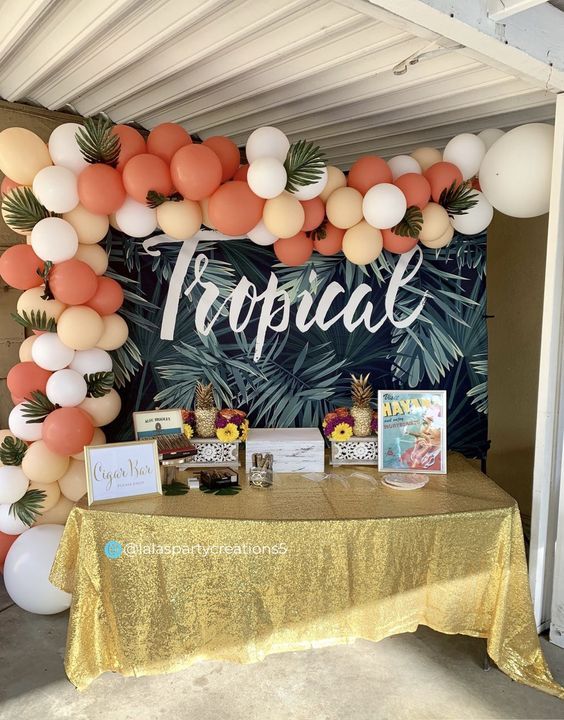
339 559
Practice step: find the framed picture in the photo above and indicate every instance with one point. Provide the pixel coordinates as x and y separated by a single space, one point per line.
412 431
122 471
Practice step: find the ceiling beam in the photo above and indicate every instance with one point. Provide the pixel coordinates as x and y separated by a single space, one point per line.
499 10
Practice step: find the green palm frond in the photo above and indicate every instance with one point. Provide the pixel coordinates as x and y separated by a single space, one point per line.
411 223
457 200
154 198
175 488
126 361
304 165
99 384
96 141
233 490
35 320
22 210
12 451
29 507
37 409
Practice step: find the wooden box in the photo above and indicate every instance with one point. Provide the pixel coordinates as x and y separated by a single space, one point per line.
294 450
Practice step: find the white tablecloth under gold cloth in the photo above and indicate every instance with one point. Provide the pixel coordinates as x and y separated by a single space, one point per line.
361 561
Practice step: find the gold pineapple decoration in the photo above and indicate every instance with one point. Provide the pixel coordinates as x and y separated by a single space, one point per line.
205 410
361 395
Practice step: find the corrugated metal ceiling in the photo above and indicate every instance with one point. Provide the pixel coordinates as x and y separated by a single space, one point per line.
320 69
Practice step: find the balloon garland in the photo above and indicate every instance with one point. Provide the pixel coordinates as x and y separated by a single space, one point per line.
62 197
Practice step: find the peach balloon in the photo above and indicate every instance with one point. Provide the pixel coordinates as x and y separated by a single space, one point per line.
146 172
93 255
397 243
99 438
427 156
314 213
283 216
89 227
335 179
228 154
416 189
22 154
196 171
241 173
100 189
180 220
294 251
73 482
108 297
115 332
31 301
19 267
103 409
52 493
234 209
332 242
435 223
368 171
131 143
25 349
441 241
362 243
441 176
43 466
25 377
73 282
80 328
164 140
67 430
344 207
58 514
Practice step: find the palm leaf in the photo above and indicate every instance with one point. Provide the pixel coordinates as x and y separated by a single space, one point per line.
12 451
22 210
304 165
99 384
457 200
28 508
154 198
35 320
175 488
37 409
411 223
97 143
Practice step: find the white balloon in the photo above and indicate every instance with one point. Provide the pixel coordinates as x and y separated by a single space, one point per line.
21 428
54 239
50 353
261 235
267 142
96 360
56 188
64 149
489 136
66 388
466 151
384 205
516 172
136 219
267 177
476 219
13 484
10 524
27 567
403 164
313 190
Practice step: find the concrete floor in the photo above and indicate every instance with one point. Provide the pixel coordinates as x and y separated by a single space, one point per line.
419 676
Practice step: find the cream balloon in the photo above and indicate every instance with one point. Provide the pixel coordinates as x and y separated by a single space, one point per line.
466 151
98 439
50 353
21 427
344 207
58 514
10 524
261 235
403 164
31 301
25 348
314 189
89 227
267 142
441 241
13 484
283 216
489 136
427 156
335 179
180 220
73 482
115 332
80 328
64 149
93 255
22 154
435 223
477 219
384 205
267 177
56 188
96 360
136 219
66 388
43 466
54 239
103 409
362 244
52 494
516 172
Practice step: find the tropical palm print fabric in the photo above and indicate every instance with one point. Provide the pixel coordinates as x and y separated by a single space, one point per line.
300 376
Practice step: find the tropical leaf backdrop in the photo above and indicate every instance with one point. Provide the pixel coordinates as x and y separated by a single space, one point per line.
299 377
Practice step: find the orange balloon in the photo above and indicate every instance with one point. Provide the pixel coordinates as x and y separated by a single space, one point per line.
6 542
146 172
19 266
314 213
131 143
234 209
165 139
368 171
241 173
228 154
397 243
416 189
441 176
67 430
25 377
73 282
196 171
7 185
332 243
108 297
100 189
294 251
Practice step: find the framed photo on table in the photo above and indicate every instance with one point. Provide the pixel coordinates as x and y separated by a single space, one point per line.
412 431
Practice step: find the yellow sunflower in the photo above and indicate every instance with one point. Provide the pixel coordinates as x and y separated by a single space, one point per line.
188 431
228 434
244 430
343 431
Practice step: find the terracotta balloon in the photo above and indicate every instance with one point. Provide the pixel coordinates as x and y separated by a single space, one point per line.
441 176
362 243
22 154
19 267
344 207
32 301
436 222
43 466
228 154
332 243
67 430
335 179
427 156
180 220
73 482
166 139
73 282
108 297
89 227
241 173
416 189
234 209
58 514
131 143
98 439
102 410
93 255
115 332
80 328
6 542
398 243
204 207
146 172
52 494
7 184
196 171
100 189
283 215
367 172
25 377
294 251
314 213
25 349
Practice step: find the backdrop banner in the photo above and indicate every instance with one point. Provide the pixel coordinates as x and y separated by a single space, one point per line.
280 342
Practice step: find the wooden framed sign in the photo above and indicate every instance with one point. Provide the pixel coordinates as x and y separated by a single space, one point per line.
122 471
